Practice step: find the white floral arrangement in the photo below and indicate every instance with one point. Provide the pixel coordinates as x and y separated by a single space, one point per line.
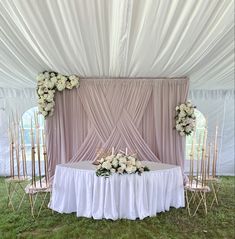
47 84
185 118
120 164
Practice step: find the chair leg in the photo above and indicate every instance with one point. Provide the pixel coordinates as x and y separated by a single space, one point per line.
203 195
215 190
187 202
199 203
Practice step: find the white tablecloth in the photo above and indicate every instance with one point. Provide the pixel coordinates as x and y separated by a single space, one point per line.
76 188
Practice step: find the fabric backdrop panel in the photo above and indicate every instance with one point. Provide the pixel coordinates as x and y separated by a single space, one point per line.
104 113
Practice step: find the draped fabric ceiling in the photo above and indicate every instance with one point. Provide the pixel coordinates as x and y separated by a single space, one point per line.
109 38
121 38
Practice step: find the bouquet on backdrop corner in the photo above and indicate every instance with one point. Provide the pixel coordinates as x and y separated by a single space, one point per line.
185 118
47 84
119 163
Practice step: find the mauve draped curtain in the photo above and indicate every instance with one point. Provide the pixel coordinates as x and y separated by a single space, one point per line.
104 113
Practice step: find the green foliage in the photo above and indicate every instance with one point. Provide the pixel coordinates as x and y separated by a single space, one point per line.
166 225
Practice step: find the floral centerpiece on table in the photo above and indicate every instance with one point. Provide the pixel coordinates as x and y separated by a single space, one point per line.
47 84
119 163
185 118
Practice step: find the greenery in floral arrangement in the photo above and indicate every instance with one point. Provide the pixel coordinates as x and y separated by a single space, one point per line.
185 118
120 164
47 84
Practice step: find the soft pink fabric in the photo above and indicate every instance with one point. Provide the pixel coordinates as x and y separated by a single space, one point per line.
105 113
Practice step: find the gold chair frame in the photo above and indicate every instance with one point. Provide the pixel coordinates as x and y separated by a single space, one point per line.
15 189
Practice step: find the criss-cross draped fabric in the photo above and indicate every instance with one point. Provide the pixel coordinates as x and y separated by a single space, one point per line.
137 114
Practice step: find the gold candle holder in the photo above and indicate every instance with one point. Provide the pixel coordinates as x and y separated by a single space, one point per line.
33 155
45 158
38 146
192 159
215 155
23 154
198 158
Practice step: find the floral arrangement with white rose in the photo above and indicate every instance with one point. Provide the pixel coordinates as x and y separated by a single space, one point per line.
185 118
119 163
47 84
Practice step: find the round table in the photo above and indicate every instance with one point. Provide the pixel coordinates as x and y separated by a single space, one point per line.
76 188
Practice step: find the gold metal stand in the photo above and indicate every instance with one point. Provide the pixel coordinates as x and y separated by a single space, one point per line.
15 187
38 196
214 184
197 197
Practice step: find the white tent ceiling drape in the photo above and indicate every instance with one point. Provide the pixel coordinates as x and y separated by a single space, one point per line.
110 38
121 38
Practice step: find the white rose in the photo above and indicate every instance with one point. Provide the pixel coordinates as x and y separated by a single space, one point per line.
131 158
69 85
101 160
41 100
40 91
40 77
50 98
178 127
177 108
120 170
106 165
74 82
48 84
63 78
54 80
40 108
138 164
141 169
112 170
72 77
52 74
51 112
59 76
182 107
122 160
44 113
123 166
46 75
188 129
115 162
49 106
182 114
129 169
134 169
60 85
40 83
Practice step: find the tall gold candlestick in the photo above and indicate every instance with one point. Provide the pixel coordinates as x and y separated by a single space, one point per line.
17 159
192 159
215 153
198 157
33 155
209 158
45 158
38 146
17 150
11 152
203 156
23 154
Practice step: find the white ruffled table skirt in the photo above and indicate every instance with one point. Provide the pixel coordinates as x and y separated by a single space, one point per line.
76 188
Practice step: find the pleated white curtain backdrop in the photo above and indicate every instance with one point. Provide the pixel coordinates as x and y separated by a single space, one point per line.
104 113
